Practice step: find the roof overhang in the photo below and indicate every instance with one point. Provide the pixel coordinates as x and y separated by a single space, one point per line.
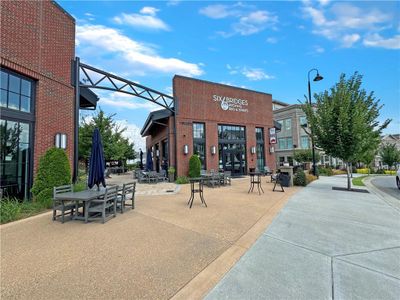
278 126
87 99
154 119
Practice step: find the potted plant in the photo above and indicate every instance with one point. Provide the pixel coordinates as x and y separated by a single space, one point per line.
171 174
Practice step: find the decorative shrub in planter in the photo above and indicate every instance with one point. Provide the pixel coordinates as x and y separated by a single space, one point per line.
194 166
182 180
171 174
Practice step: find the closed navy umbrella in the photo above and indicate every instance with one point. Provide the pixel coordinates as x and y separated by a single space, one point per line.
96 163
149 161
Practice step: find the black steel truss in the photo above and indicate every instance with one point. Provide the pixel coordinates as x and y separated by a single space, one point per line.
91 77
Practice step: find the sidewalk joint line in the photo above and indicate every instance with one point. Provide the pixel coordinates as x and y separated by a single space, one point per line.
369 269
363 252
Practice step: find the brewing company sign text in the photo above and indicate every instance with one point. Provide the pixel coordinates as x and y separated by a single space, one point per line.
232 104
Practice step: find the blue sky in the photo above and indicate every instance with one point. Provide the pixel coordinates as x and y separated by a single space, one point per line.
266 46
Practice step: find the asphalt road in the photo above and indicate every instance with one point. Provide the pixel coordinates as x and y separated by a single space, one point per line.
387 184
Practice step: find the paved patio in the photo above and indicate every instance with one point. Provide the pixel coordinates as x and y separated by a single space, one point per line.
159 250
324 244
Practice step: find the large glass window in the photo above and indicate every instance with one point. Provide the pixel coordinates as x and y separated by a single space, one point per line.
199 142
232 148
285 143
303 121
17 117
260 148
16 92
14 158
304 142
230 132
288 124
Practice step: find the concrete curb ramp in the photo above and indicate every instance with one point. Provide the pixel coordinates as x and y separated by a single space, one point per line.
324 244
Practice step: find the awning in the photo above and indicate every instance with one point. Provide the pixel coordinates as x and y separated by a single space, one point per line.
87 99
155 118
277 125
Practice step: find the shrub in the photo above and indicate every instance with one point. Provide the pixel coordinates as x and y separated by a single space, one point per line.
299 178
9 210
325 171
380 171
182 180
310 178
194 166
363 171
390 172
53 171
339 172
171 170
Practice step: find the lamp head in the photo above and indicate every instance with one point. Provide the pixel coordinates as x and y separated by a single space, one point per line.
318 77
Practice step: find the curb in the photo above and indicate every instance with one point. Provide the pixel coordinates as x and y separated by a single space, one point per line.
391 201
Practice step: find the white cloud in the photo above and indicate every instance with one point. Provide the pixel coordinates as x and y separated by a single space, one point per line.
173 2
375 40
135 55
349 39
218 11
272 40
248 20
144 21
255 74
347 23
148 10
125 101
132 133
168 91
323 2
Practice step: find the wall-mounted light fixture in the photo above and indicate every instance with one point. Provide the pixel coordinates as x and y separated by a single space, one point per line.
271 149
253 150
213 150
60 140
185 149
158 152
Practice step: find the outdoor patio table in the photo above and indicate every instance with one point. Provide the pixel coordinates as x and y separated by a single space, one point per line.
255 178
85 196
193 190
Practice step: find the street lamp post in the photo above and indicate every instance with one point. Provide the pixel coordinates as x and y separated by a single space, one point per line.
317 78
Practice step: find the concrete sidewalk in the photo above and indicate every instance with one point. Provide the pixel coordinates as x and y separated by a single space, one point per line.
324 244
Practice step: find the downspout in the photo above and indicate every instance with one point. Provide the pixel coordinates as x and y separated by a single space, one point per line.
76 118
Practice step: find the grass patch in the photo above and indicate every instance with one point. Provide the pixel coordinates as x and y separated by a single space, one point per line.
358 181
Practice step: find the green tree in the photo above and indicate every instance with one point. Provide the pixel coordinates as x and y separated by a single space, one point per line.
116 147
390 155
54 170
344 120
305 155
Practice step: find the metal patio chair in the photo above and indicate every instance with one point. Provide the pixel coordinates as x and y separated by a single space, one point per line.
227 177
105 207
127 194
278 180
66 207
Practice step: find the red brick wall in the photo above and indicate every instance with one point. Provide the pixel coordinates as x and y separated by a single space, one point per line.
38 40
194 102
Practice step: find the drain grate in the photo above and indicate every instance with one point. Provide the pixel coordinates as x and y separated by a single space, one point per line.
169 191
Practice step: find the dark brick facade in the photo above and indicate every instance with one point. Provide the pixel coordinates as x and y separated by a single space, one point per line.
194 103
38 41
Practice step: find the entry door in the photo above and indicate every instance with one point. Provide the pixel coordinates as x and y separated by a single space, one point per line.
233 161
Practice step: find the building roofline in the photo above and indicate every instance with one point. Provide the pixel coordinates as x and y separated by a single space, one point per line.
63 10
162 113
216 83
290 106
280 102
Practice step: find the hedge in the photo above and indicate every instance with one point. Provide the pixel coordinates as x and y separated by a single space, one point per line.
194 166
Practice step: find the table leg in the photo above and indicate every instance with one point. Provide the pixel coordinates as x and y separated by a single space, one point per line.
86 208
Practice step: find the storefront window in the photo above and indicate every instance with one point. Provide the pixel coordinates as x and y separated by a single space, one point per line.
199 143
14 158
17 117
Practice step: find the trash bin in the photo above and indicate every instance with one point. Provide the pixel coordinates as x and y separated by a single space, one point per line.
288 171
285 179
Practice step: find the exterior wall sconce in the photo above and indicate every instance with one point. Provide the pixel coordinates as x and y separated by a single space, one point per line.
253 150
185 149
60 141
271 149
157 152
213 150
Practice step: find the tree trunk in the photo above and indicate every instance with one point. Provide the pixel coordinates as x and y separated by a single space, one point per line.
348 176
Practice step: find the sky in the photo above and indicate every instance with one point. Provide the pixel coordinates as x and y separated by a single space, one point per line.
267 46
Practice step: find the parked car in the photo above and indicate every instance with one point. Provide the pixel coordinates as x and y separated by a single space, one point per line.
398 179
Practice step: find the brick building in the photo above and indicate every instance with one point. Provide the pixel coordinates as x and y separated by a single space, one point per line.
227 126
37 99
